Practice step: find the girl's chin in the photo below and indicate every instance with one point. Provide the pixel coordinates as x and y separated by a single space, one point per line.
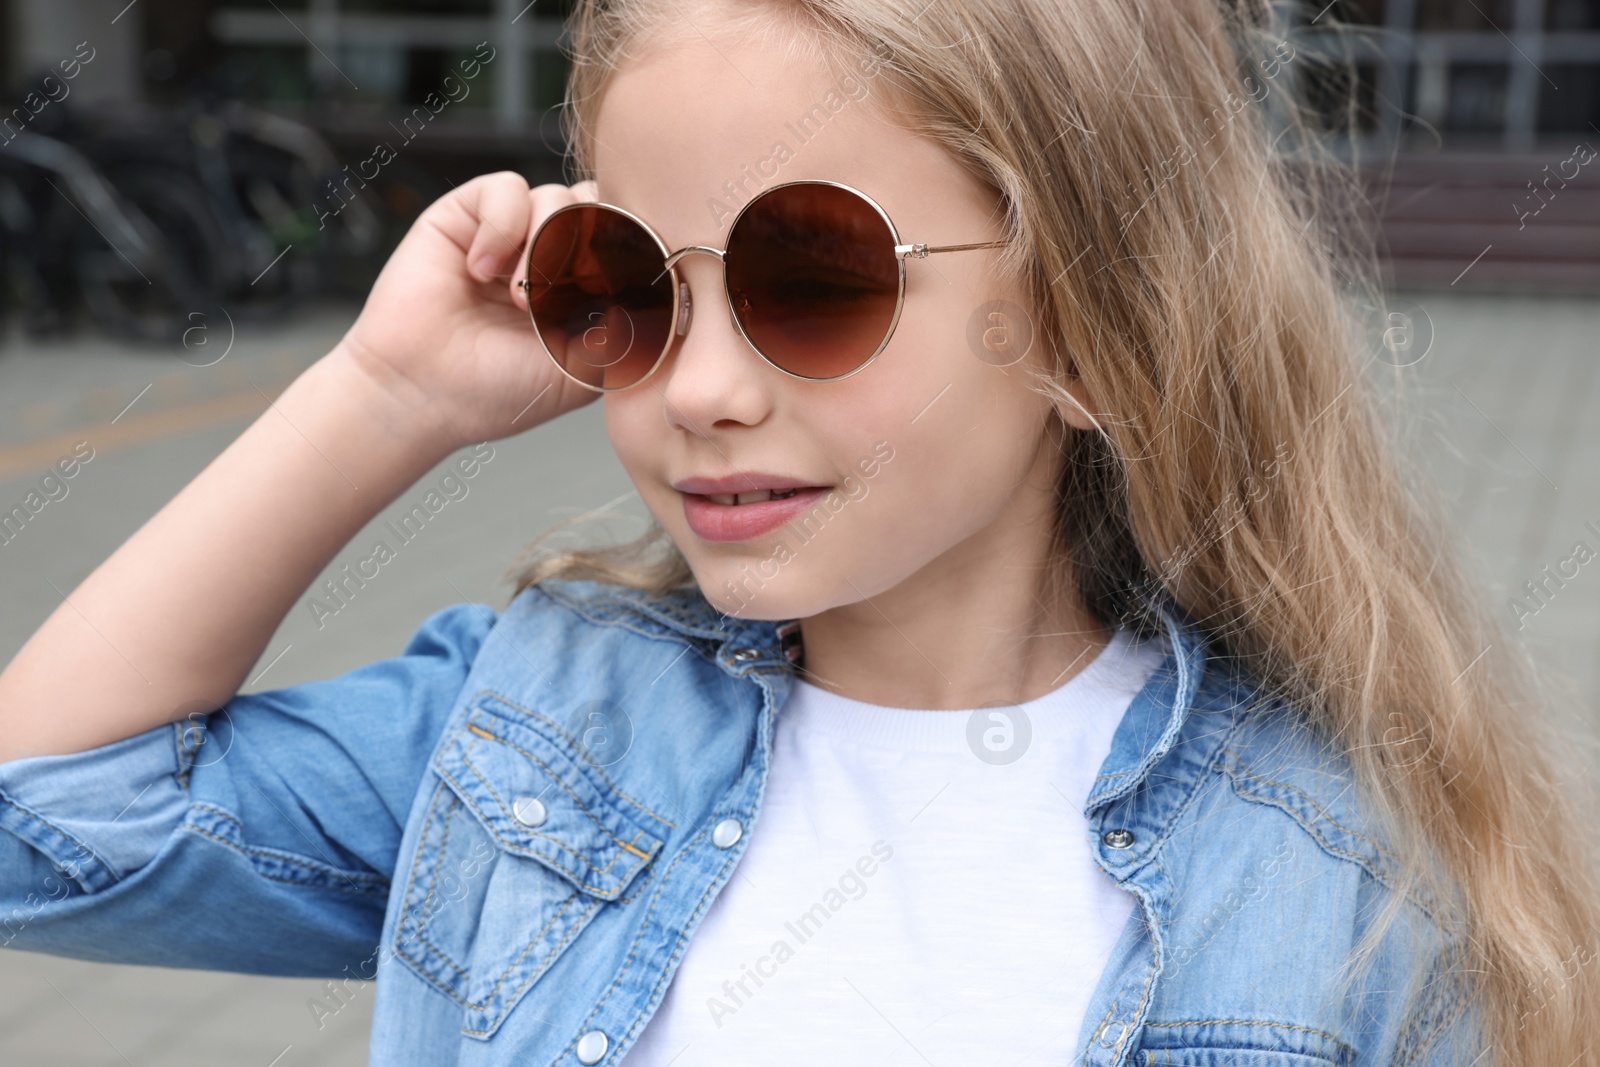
741 594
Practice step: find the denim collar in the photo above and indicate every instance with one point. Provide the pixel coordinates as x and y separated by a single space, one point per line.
1149 728
1156 717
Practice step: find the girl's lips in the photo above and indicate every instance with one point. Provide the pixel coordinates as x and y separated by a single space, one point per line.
740 522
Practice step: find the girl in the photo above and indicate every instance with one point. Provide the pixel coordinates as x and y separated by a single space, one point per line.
1039 656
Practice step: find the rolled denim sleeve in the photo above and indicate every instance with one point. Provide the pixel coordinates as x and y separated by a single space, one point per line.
260 837
58 804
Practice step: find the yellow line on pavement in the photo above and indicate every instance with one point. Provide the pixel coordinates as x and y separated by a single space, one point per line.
38 456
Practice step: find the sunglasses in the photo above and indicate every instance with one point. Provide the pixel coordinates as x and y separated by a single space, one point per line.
814 271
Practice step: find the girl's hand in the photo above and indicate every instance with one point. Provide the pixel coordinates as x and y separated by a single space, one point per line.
445 330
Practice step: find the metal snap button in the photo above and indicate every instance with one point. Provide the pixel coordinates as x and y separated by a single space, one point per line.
592 1046
1113 1033
1117 838
726 834
744 655
529 811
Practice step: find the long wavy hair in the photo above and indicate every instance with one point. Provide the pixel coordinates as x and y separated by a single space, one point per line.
1193 250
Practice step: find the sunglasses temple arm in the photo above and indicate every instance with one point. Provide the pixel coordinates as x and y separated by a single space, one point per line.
915 251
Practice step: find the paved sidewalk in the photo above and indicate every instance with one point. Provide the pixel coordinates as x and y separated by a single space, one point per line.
1505 408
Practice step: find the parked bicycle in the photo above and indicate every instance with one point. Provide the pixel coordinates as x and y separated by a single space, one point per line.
144 218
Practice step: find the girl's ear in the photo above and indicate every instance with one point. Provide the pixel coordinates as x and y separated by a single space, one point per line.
1077 412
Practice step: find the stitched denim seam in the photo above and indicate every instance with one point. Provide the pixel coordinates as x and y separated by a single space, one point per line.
578 924
433 883
444 957
683 941
31 814
604 778
1243 768
530 831
529 947
219 812
780 668
1422 1046
688 627
1311 829
1138 1012
1346 1049
1416 897
418 966
1201 779
678 950
1196 788
416 862
369 879
1174 654
184 766
598 604
1407 1042
422 912
421 972
626 620
1098 1030
1309 800
682 626
588 608
1445 988
633 949
1407 1033
639 885
323 880
1192 711
1155 858
554 840
1144 998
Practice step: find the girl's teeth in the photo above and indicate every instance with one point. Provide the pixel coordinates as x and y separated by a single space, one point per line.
755 497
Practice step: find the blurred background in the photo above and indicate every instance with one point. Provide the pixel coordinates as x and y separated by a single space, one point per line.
193 203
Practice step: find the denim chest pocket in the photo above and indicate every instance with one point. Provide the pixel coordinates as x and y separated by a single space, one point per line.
1218 1056
524 843
1195 1056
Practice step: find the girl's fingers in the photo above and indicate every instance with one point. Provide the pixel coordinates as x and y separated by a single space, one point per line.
500 204
542 201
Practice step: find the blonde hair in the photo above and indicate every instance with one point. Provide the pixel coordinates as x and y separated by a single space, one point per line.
1196 260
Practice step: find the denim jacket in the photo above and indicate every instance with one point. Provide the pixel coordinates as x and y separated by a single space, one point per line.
517 825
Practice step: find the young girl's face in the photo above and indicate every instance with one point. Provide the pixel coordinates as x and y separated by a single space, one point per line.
936 456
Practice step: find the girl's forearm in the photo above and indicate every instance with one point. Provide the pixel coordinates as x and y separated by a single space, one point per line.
172 621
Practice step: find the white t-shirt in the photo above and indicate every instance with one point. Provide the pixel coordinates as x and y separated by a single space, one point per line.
906 900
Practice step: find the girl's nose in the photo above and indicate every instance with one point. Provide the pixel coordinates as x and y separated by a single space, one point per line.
711 376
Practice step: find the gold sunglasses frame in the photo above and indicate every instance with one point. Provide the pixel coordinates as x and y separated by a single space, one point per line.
682 310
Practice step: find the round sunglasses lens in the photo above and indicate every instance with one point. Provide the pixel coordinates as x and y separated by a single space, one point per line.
814 279
601 300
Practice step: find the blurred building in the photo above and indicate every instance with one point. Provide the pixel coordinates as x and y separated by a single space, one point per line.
1469 119
249 154
1479 119
352 68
